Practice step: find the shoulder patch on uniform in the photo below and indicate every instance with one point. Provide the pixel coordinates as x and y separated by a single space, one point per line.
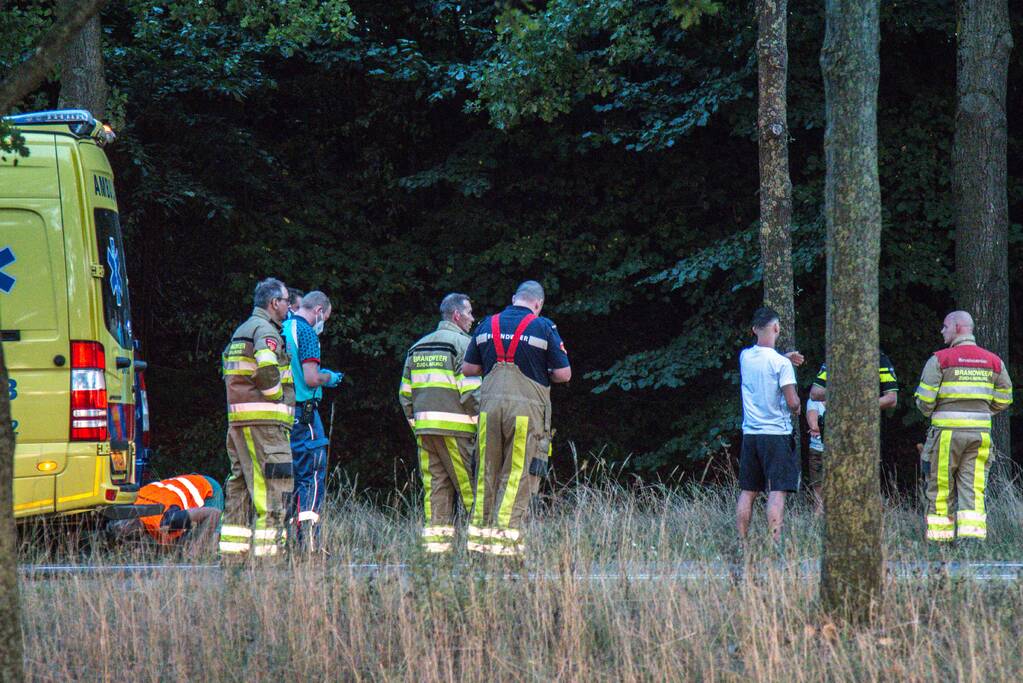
271 343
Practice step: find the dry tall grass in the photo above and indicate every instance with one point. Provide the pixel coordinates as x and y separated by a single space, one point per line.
440 621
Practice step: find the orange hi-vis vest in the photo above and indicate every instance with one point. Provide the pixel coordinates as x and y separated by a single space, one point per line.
186 491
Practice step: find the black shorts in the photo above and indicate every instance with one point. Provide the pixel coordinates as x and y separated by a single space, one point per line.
768 463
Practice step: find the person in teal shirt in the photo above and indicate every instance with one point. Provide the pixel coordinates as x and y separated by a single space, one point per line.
308 440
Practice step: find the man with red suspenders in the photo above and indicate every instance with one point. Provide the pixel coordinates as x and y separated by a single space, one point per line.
519 355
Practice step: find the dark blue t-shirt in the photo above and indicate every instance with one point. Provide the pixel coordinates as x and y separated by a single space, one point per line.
539 351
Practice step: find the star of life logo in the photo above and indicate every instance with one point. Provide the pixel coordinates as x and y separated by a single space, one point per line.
116 279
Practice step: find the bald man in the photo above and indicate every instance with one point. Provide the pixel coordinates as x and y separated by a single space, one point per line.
962 386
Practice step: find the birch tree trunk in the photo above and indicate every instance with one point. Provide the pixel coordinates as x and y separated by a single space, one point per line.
979 179
851 575
775 183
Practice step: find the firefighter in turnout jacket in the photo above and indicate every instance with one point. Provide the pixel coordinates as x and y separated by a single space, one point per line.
441 405
519 354
260 408
961 387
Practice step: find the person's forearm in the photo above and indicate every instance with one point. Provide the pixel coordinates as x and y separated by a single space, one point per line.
888 400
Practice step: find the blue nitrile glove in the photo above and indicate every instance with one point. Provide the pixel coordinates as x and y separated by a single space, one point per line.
335 378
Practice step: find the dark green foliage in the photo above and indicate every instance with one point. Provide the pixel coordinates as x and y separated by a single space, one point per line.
609 151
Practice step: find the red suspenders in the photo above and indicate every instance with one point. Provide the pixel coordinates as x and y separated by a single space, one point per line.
495 331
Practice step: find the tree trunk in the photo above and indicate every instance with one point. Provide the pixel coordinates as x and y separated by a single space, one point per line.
775 184
83 82
979 185
27 76
11 668
851 575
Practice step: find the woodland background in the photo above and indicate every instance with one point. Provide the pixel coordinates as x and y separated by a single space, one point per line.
391 152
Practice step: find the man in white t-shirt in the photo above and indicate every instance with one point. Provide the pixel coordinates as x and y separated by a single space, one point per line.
768 459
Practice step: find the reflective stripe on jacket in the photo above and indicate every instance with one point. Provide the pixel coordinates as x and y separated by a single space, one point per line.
434 394
257 374
963 386
185 492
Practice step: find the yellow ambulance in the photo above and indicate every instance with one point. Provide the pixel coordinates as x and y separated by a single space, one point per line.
65 319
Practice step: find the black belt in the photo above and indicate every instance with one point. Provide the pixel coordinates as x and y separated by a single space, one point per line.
304 411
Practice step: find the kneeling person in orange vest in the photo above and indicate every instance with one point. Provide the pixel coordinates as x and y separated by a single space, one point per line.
962 386
519 355
188 503
441 405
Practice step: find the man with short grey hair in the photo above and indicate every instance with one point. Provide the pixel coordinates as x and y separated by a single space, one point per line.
441 404
260 407
519 355
308 438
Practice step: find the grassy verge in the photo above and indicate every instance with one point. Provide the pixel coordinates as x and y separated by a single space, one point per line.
445 620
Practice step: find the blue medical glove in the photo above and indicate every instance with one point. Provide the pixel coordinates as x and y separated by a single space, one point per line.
335 378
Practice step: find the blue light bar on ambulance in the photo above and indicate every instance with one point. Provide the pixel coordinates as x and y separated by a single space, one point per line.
55 116
79 122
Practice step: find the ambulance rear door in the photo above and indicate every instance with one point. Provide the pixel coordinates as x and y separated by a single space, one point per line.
34 319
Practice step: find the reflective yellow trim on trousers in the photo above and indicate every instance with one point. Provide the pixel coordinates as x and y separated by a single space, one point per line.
515 475
481 450
940 528
424 472
497 549
979 467
490 532
437 539
461 474
434 547
941 500
971 524
494 541
235 532
232 547
258 482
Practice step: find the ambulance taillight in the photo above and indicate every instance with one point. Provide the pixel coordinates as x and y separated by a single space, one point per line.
88 392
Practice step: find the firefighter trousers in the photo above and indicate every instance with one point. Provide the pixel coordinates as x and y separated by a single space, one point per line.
513 447
959 462
258 490
446 465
